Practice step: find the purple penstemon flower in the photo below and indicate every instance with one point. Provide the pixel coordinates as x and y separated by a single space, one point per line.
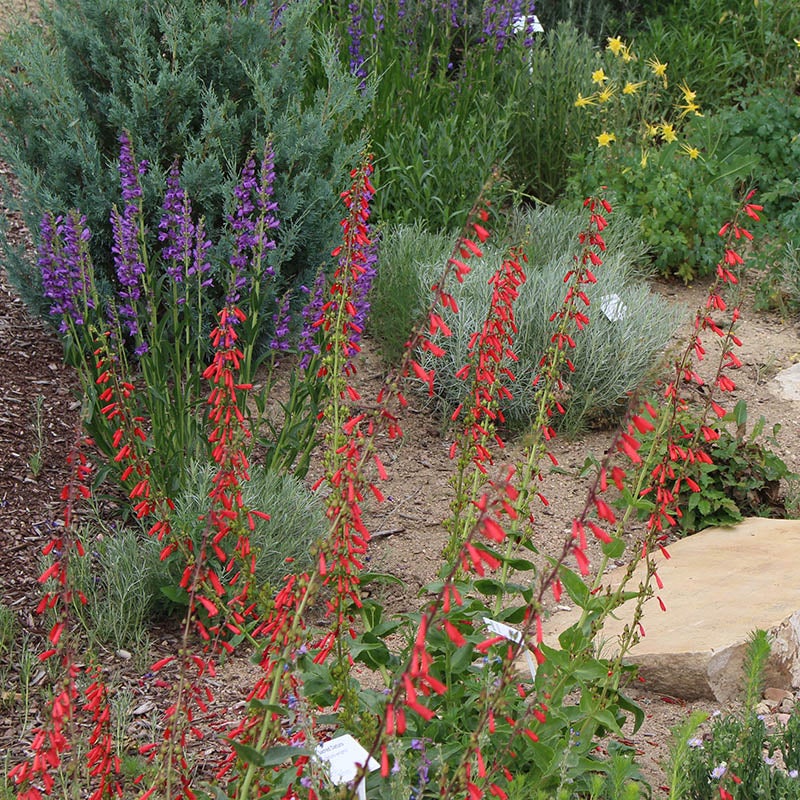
498 21
280 319
312 317
244 227
356 33
126 246
253 237
176 229
65 268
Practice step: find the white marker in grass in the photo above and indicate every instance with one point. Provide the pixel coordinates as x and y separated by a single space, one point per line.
513 635
345 757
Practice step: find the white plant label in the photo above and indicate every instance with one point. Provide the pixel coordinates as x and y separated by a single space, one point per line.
613 307
513 635
345 757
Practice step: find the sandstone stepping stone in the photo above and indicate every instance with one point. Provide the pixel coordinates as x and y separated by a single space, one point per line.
719 586
788 381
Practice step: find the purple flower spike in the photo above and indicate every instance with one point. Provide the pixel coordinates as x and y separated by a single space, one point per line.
64 264
356 34
176 229
127 254
280 341
252 232
312 317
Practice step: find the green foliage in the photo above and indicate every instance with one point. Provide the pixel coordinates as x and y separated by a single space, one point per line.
205 81
743 480
128 585
724 47
597 18
547 129
679 199
765 123
562 759
611 357
396 304
281 545
443 100
739 755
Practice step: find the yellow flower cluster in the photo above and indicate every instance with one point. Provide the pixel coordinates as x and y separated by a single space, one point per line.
613 84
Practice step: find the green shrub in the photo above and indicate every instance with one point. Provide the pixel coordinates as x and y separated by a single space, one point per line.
680 197
765 123
128 585
743 480
296 521
611 357
724 47
201 80
547 130
395 300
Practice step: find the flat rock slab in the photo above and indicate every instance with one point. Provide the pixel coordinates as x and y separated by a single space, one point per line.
720 585
788 383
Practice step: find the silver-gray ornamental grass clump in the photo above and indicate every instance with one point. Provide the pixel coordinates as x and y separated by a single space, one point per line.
631 326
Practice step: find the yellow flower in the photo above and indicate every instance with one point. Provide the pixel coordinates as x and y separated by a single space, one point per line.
605 139
652 130
688 95
632 88
606 94
797 42
688 108
643 162
599 77
659 69
582 101
692 152
627 55
668 132
616 45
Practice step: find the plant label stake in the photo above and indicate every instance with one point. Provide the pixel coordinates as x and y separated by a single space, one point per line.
513 635
345 757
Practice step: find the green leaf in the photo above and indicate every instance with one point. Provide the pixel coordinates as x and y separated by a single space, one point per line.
379 577
521 564
626 704
280 753
614 549
575 587
490 586
175 594
273 708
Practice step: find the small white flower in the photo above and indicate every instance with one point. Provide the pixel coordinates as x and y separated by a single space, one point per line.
793 773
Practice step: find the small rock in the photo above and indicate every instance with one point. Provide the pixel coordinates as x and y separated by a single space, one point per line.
764 708
786 706
124 655
783 719
143 708
777 696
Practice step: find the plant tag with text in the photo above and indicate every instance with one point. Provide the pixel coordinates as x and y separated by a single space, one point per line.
345 757
513 635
